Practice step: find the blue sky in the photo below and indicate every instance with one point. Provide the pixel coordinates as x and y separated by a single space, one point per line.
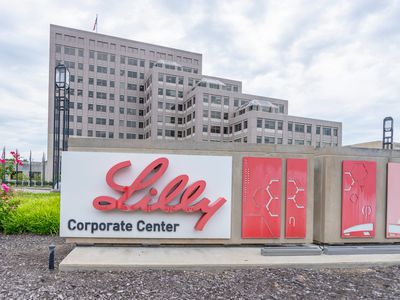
335 60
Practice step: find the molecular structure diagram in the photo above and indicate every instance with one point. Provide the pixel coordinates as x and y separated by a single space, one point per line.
357 174
271 198
298 190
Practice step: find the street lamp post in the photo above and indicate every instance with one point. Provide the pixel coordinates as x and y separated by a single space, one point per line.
61 119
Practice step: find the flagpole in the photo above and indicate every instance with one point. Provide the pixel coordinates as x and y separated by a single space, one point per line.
97 23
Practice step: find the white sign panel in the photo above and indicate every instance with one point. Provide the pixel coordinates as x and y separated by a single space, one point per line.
135 195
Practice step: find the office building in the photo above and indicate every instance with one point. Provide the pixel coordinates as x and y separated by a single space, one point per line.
124 89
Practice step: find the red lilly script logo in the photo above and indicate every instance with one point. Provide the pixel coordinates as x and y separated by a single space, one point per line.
147 178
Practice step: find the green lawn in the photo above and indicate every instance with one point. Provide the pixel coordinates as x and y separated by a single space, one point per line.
35 213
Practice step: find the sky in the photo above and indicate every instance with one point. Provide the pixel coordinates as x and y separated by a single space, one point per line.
334 60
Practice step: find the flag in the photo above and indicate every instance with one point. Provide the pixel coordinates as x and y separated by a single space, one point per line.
95 25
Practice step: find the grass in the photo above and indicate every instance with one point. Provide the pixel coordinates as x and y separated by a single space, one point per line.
35 213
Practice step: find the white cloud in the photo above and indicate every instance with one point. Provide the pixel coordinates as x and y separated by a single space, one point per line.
334 60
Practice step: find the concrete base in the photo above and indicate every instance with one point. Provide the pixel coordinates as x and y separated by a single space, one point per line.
300 250
125 258
367 249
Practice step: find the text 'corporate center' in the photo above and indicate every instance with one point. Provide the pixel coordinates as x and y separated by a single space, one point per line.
123 89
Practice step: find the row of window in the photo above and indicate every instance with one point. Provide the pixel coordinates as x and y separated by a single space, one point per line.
101 69
103 121
215 99
301 128
170 78
269 124
122 48
111 96
103 134
170 93
173 133
218 129
103 108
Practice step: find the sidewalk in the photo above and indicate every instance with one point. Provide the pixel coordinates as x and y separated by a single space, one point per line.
124 258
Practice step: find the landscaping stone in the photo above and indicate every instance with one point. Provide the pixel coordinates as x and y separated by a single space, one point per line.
24 274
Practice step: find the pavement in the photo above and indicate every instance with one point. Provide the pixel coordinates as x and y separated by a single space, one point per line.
167 257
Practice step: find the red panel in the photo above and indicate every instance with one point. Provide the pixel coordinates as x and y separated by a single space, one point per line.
358 199
393 201
261 190
296 198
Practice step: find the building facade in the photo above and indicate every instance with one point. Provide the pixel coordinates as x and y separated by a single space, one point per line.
124 89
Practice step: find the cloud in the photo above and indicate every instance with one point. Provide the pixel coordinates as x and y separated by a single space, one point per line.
336 60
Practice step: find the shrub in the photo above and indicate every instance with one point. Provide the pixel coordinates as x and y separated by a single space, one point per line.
8 204
36 213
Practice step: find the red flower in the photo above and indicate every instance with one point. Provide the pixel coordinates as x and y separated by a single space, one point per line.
5 187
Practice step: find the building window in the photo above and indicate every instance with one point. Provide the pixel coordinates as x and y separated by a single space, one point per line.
100 95
131 124
280 125
90 120
269 140
238 127
101 69
259 139
170 93
290 141
101 82
335 131
270 124
308 128
170 79
102 108
101 121
131 99
318 130
215 129
226 101
215 114
215 99
259 123
170 133
102 56
111 135
132 61
299 142
299 127
132 74
290 126
327 131
90 133
132 87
